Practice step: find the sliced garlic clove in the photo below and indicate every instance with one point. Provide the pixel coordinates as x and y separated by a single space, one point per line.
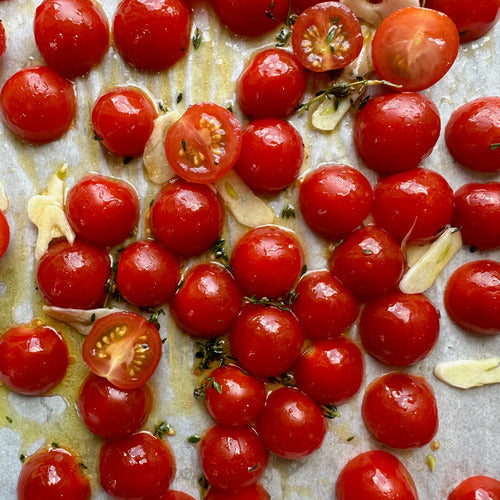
4 201
330 112
375 13
467 373
415 252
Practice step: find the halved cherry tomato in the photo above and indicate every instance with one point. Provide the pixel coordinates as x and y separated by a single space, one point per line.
204 143
4 234
477 488
123 347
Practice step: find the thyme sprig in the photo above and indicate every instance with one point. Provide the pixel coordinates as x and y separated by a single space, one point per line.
282 303
210 352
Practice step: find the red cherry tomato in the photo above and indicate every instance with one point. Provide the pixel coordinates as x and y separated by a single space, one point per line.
232 458
477 488
300 5
477 213
38 104
267 261
74 275
414 47
111 412
204 143
102 210
123 119
51 474
207 302
136 466
395 132
400 410
473 134
375 474
187 218
3 44
124 348
4 234
152 35
253 492
271 155
33 358
176 495
326 36
334 200
271 85
266 340
71 35
472 297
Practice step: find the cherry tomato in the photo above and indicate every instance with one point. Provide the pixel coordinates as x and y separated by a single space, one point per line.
324 306
414 205
369 262
472 134
176 495
330 371
51 474
38 104
147 274
399 329
253 492
123 119
477 212
111 412
152 35
102 210
414 47
124 348
187 218
300 5
271 85
271 155
204 143
267 261
207 302
472 297
136 466
400 410
3 44
375 474
395 132
232 458
291 424
33 358
335 199
477 488
326 36
4 234
74 275
266 340
71 35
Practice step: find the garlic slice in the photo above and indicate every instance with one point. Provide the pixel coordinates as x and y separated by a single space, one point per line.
467 373
327 117
375 13
4 201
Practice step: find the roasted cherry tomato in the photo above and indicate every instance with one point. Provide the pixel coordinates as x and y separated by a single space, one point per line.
300 5
472 297
477 488
4 234
124 348
253 492
176 495
326 36
38 104
71 35
204 143
414 47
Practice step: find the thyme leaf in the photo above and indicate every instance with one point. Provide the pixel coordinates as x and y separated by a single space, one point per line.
288 212
197 38
494 146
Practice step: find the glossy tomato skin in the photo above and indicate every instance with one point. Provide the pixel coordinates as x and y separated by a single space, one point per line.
253 492
123 347
207 302
138 466
111 412
176 495
271 85
74 275
3 42
375 474
472 297
38 104
477 212
232 458
102 210
33 359
152 36
335 199
71 35
471 133
271 155
291 424
50 474
123 119
266 340
4 234
414 47
187 218
400 410
267 261
475 488
396 132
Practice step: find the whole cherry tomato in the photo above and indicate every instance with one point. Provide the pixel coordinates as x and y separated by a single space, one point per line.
176 495
3 43
477 488
4 234
253 492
